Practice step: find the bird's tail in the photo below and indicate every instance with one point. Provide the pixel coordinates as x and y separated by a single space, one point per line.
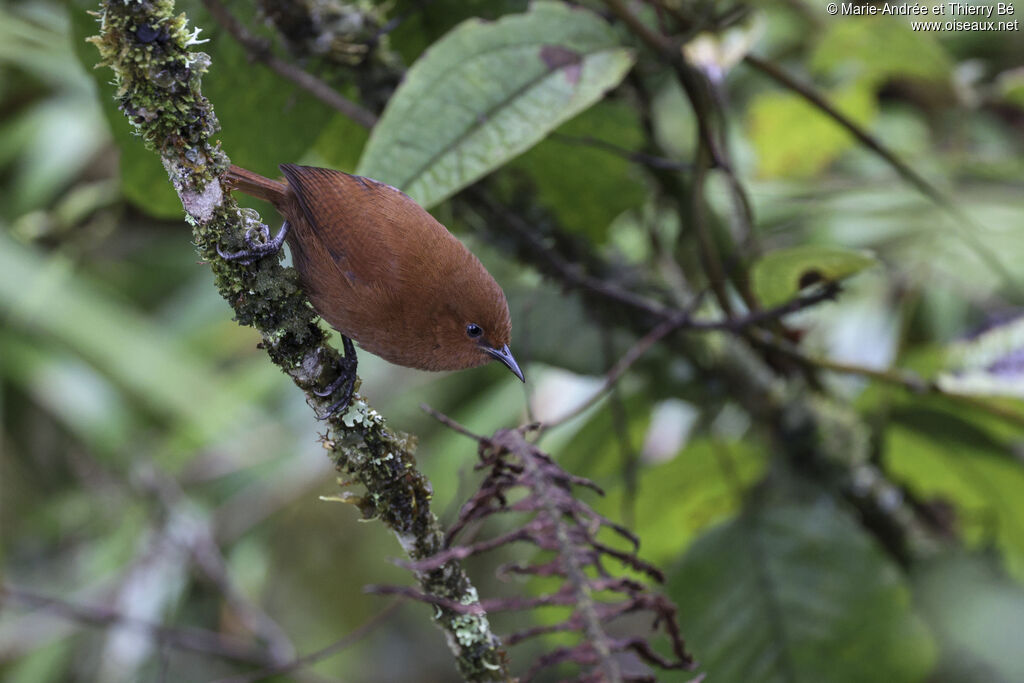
255 185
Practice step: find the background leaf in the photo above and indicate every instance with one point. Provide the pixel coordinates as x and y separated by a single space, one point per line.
584 186
943 457
877 48
793 139
975 612
487 92
798 592
779 275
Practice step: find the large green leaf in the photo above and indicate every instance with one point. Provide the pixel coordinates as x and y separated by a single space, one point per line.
779 275
584 185
701 486
939 455
797 591
487 92
975 611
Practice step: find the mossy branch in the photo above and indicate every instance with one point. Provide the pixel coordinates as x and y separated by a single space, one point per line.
158 79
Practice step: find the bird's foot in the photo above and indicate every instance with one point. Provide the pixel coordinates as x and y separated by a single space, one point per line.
346 381
257 249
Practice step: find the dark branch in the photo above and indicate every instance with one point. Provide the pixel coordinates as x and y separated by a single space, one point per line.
260 51
192 639
312 658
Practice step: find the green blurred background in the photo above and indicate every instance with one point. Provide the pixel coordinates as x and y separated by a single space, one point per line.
154 464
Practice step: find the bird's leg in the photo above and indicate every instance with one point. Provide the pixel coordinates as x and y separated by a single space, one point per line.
346 378
257 250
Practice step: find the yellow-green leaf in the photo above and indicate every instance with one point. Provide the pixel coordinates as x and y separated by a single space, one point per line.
794 139
781 274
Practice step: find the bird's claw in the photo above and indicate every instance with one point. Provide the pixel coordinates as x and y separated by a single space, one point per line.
347 365
256 250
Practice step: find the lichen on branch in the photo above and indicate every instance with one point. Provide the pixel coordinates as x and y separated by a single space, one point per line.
158 82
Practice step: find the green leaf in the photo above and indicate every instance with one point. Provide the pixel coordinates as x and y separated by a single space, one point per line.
975 611
780 275
1010 86
701 486
487 92
876 49
585 186
794 139
939 455
47 662
85 401
51 129
796 591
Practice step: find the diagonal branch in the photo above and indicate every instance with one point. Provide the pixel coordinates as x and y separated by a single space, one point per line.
177 122
190 639
312 658
969 234
808 93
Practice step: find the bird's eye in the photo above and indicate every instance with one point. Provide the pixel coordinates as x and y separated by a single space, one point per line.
474 331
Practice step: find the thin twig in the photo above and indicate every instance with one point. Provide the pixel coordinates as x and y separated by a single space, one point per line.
313 657
621 366
192 639
259 50
656 162
204 551
570 273
681 321
893 376
709 152
667 49
620 424
708 252
808 93
450 423
969 234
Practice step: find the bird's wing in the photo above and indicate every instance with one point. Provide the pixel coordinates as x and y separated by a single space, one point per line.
362 225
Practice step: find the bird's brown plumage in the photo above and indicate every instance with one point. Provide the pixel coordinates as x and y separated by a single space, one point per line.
383 271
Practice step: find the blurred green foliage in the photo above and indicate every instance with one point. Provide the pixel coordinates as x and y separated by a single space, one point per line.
139 422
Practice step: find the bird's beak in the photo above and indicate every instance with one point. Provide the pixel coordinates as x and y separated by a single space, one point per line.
505 356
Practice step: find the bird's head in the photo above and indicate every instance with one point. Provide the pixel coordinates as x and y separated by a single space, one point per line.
474 326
